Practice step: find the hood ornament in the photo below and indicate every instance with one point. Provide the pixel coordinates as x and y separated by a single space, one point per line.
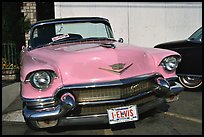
118 68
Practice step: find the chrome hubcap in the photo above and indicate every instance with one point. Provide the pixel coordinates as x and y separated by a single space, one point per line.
190 81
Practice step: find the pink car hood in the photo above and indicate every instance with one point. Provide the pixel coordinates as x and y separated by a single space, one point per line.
89 62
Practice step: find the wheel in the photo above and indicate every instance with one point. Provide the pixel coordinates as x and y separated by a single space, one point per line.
190 82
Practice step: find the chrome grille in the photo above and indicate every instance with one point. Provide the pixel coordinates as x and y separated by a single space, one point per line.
101 109
113 92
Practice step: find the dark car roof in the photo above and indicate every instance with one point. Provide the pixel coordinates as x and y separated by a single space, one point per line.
71 19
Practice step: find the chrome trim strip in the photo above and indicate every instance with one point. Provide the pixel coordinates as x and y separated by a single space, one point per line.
40 103
69 20
46 99
88 116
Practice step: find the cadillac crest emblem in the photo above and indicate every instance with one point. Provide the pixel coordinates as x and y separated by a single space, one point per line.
117 68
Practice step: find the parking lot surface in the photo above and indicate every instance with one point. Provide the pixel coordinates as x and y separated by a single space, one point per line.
184 117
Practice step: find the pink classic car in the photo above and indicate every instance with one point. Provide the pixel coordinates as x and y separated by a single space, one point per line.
73 72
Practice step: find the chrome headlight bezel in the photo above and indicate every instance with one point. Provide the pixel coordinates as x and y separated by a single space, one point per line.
41 79
170 63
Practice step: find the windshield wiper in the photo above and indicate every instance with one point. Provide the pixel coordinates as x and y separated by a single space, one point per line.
97 38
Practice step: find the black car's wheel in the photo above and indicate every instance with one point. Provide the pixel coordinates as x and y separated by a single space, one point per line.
190 82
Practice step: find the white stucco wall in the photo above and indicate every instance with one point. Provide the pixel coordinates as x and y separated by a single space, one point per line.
141 23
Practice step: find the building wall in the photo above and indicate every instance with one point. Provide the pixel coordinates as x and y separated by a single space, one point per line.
141 23
29 11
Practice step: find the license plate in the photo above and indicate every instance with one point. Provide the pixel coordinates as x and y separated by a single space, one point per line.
122 114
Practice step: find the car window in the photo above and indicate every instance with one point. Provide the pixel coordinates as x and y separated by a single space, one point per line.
86 30
196 36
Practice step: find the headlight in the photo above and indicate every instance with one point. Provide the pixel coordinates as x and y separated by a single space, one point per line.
170 63
41 79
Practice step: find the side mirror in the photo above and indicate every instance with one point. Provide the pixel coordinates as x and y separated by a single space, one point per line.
120 40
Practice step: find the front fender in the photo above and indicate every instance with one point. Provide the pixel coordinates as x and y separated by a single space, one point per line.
31 64
158 55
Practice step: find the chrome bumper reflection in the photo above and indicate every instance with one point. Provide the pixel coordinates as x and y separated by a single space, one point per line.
176 89
66 104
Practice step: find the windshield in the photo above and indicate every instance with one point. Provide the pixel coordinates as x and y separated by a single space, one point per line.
69 32
196 36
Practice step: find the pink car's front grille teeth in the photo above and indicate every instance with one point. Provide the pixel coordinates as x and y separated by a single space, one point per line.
101 109
113 92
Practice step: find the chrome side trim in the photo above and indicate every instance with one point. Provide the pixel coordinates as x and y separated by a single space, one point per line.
88 116
40 103
34 100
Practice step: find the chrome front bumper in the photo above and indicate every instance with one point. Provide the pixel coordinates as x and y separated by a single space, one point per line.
103 118
59 111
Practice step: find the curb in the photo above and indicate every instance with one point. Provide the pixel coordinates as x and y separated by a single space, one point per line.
9 94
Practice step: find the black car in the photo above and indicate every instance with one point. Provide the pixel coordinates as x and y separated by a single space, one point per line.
189 70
